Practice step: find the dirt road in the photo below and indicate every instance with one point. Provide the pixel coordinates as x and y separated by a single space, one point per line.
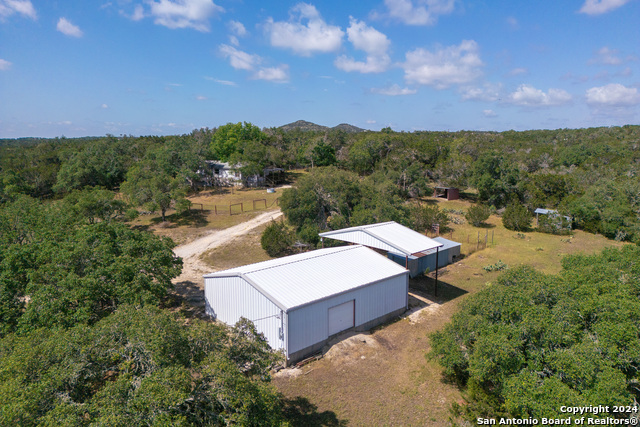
220 237
190 283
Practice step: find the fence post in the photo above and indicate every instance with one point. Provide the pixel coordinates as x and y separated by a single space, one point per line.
215 208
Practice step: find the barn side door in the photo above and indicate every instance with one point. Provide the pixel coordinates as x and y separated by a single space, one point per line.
341 317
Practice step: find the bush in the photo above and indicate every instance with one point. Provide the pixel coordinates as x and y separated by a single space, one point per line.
498 266
477 215
276 239
425 217
516 217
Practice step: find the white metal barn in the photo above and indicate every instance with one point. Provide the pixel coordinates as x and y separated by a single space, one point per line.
299 301
392 238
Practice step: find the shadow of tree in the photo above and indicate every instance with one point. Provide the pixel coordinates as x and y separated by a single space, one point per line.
300 412
192 218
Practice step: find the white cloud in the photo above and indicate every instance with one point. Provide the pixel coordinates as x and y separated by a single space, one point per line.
606 56
517 72
424 12
373 64
369 40
444 67
222 82
513 23
104 106
184 13
201 98
489 113
5 65
598 7
68 29
238 59
488 92
278 74
304 38
529 96
22 7
245 61
138 13
394 90
613 94
237 28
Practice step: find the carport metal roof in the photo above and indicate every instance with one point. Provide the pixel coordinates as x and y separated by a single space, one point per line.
389 236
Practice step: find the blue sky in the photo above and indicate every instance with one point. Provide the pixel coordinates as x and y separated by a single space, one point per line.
142 67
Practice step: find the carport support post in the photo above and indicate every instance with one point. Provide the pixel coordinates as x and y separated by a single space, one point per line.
435 290
322 242
406 262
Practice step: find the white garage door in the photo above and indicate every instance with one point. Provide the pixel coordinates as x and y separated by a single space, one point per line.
341 317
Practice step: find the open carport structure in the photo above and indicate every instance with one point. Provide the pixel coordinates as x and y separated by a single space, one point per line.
390 237
299 301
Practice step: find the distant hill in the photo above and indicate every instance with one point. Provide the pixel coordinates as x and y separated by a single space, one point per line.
308 126
348 128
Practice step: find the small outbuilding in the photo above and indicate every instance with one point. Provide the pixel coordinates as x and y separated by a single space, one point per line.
448 253
557 220
299 301
449 193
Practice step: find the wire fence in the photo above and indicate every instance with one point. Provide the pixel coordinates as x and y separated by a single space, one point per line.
237 208
471 242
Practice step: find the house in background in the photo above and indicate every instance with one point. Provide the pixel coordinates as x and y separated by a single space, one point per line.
223 174
299 301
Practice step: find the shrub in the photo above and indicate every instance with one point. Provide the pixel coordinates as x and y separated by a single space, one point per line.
477 215
425 217
498 266
516 217
276 239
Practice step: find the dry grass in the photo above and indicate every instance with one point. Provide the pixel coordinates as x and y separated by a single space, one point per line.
241 251
203 217
394 383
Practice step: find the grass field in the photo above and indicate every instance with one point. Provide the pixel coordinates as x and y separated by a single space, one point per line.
246 248
394 383
210 211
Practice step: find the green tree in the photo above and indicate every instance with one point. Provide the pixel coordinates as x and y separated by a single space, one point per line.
426 217
232 138
516 217
155 183
496 179
323 154
95 204
476 215
531 339
276 239
138 367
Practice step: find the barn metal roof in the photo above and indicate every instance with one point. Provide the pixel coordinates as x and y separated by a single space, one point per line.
301 279
446 244
389 236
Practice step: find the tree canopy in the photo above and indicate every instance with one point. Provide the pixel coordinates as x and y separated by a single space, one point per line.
531 339
138 367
